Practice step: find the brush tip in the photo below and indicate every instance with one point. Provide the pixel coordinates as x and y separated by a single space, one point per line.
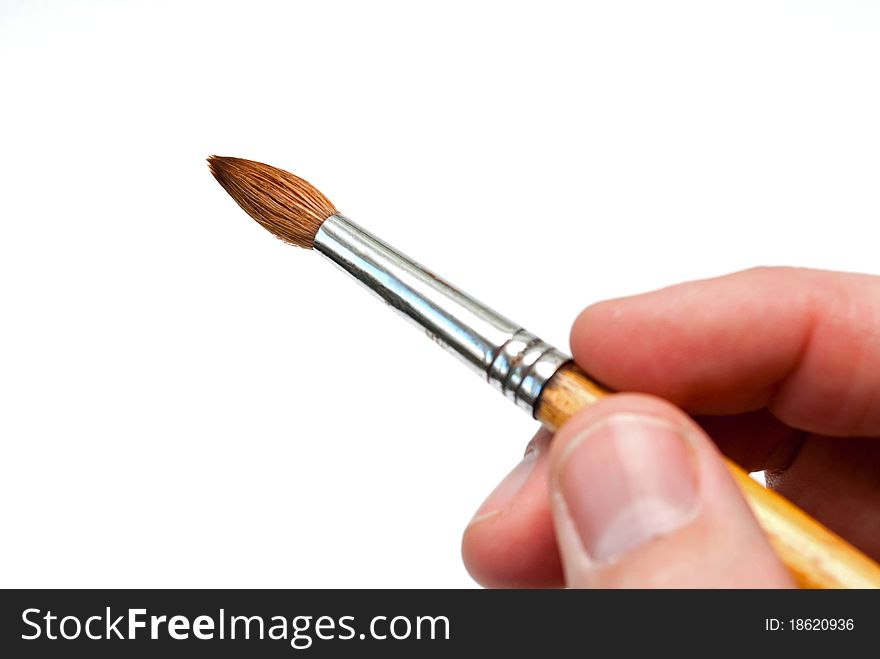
289 207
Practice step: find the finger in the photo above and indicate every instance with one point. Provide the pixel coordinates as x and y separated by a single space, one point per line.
836 481
510 542
833 478
641 498
754 440
803 343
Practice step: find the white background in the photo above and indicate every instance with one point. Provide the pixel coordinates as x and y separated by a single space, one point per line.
185 401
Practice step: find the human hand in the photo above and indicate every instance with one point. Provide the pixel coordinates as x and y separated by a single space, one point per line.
780 366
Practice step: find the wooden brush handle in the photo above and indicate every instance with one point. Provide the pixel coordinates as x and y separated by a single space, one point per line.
816 557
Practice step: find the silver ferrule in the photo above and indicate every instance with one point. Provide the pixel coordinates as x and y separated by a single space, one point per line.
513 360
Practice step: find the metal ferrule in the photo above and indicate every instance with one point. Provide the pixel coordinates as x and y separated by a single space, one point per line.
513 360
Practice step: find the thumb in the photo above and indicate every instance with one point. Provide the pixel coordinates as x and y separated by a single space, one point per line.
642 499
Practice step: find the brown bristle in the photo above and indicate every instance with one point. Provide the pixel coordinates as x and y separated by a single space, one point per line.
282 203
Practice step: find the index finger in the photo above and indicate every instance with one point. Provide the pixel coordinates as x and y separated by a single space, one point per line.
803 343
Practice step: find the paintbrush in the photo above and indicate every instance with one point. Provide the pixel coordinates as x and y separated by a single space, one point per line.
540 379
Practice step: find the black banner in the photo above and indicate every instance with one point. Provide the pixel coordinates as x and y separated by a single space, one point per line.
319 623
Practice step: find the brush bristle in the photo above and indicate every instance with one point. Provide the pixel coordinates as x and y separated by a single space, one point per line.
282 203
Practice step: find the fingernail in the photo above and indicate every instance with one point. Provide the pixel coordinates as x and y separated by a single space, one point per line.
626 480
506 490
